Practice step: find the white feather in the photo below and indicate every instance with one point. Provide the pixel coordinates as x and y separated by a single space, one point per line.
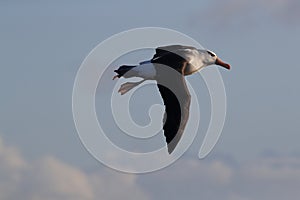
146 71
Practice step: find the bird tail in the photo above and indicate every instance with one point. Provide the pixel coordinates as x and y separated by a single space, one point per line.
125 71
128 86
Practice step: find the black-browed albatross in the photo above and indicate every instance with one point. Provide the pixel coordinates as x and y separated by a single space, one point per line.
168 67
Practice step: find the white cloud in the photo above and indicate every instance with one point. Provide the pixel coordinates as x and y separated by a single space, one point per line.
269 178
273 178
115 185
11 170
49 178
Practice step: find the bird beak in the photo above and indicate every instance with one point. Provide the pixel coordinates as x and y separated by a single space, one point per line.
222 63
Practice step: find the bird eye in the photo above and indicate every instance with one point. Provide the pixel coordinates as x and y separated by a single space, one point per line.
211 53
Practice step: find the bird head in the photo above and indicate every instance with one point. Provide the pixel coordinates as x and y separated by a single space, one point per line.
212 59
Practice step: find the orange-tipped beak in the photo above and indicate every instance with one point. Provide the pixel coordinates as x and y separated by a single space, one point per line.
221 63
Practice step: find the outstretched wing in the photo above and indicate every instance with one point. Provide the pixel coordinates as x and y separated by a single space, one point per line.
176 98
161 51
177 57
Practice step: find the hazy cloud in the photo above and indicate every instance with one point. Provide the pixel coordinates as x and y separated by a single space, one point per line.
273 178
49 178
269 178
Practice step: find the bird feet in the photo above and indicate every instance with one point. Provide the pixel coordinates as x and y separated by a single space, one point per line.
128 86
116 76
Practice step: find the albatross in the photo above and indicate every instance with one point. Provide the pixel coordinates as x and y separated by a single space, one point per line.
168 67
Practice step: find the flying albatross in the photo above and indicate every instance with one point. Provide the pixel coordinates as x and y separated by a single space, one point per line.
168 67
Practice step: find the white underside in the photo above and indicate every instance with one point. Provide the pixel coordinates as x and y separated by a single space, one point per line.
146 71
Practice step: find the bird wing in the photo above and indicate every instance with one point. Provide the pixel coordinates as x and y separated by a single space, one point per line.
161 51
177 55
170 58
176 98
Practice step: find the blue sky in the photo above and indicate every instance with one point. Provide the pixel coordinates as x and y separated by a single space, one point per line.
43 45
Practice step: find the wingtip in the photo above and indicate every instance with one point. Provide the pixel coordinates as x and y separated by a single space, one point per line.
170 149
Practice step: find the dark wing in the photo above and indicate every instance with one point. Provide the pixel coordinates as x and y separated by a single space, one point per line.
170 59
161 51
175 57
176 98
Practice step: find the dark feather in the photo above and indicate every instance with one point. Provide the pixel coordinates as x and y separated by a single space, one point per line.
176 98
172 56
125 70
161 51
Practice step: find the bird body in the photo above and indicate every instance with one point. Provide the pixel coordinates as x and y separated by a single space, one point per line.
145 70
168 67
175 55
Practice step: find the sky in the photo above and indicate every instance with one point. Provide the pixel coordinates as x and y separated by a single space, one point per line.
43 45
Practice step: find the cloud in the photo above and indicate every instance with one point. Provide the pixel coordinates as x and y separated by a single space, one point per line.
272 178
12 167
49 178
